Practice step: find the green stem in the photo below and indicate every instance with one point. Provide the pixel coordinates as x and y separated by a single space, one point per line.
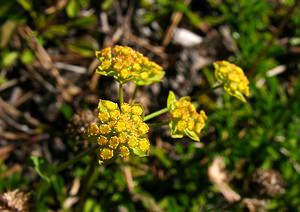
158 124
87 182
155 114
121 98
134 94
208 90
75 159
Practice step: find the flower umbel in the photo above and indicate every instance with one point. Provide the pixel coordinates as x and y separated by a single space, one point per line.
233 79
120 131
126 64
185 119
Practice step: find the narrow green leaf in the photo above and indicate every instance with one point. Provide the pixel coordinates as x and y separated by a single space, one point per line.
72 8
191 134
42 167
170 100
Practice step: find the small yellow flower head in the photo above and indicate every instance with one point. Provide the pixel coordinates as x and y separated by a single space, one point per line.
144 145
120 131
126 64
104 129
233 79
185 119
103 116
137 110
106 153
124 151
114 142
102 140
93 129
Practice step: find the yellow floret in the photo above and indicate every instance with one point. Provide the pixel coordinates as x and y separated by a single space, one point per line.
132 142
191 124
125 108
104 129
143 128
144 145
176 113
102 140
202 117
191 108
93 130
199 127
181 125
124 73
124 151
144 75
105 64
103 116
123 137
136 119
120 126
137 110
113 142
114 115
136 67
106 154
110 105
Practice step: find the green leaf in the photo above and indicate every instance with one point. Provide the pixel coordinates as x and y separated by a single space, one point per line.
91 205
137 151
9 58
84 22
66 110
55 31
236 94
152 79
42 167
194 18
107 4
191 134
170 100
6 32
72 8
26 4
27 57
5 8
2 80
85 46
173 130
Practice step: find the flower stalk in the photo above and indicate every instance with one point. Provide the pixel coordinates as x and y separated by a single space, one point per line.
77 158
121 98
155 114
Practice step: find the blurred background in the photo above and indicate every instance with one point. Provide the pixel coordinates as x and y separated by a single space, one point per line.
249 155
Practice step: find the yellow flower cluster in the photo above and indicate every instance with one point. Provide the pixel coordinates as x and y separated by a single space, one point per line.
233 79
120 131
185 119
126 64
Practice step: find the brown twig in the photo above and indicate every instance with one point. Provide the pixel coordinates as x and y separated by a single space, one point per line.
13 112
157 50
175 18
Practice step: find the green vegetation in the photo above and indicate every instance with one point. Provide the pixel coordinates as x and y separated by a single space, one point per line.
49 88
